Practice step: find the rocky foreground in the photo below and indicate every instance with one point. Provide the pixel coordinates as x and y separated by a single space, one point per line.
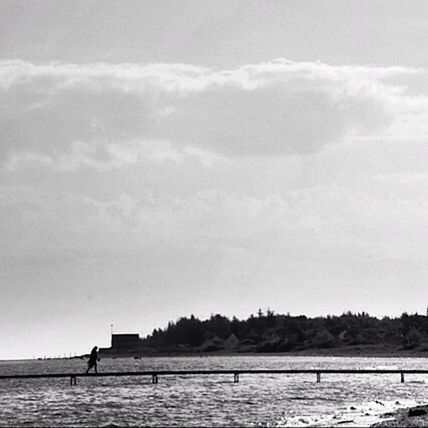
411 417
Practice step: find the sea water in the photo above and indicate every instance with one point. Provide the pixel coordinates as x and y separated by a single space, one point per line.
257 400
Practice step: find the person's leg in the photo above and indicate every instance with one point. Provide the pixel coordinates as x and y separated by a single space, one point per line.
95 367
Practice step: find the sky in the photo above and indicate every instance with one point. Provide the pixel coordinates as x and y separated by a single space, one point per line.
166 158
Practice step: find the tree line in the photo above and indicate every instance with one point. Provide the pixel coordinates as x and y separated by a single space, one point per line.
270 332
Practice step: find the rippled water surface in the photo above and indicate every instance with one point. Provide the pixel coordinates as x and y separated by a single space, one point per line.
257 400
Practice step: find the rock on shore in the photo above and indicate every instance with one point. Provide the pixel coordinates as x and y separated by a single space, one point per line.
411 417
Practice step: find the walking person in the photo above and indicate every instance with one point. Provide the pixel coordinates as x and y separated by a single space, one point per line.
93 358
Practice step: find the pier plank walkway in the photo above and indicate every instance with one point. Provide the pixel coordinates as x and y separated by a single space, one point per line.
154 374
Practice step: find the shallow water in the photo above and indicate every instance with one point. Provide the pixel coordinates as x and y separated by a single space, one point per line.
257 400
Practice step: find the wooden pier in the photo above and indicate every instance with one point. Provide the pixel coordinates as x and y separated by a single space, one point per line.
154 374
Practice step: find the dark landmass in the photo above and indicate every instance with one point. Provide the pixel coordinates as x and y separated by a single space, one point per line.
269 333
410 417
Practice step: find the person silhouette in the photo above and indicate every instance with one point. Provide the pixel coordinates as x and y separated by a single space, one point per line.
93 358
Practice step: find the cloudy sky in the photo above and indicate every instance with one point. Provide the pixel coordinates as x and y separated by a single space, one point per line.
163 158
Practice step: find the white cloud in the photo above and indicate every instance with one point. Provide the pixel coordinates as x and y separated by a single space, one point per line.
274 108
100 156
320 223
184 78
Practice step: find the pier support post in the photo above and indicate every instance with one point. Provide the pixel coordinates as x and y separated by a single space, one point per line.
235 377
318 377
73 380
154 378
402 377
